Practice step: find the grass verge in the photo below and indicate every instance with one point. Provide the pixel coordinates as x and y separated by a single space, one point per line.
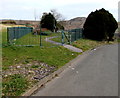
57 56
86 44
15 85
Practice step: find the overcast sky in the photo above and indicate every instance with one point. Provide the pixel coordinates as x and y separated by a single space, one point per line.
28 9
119 11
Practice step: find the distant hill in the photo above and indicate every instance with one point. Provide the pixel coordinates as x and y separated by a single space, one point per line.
74 23
22 22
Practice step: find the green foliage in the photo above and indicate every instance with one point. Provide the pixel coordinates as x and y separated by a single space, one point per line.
118 40
100 25
9 22
49 53
59 26
57 56
14 85
59 38
34 66
48 21
47 32
87 44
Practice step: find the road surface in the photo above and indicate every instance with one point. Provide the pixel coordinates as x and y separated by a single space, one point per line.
95 75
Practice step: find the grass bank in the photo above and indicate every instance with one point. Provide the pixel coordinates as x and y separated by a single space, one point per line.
50 54
16 55
57 56
86 44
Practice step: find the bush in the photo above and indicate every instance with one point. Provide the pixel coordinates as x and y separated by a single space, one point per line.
48 21
100 25
9 22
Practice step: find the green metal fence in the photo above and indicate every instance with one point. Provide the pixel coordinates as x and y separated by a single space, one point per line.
24 36
15 33
71 35
76 34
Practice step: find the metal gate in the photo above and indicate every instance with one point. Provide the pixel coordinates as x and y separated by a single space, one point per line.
24 36
71 35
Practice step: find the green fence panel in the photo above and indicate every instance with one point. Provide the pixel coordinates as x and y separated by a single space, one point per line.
17 32
76 34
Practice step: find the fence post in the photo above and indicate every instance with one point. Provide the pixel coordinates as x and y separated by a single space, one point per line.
62 37
69 37
40 37
8 42
75 34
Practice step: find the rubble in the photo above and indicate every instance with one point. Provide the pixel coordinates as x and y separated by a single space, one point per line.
29 71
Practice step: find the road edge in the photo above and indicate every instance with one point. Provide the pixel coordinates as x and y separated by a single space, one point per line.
48 78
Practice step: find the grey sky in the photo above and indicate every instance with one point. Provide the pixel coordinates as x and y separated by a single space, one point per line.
26 9
119 11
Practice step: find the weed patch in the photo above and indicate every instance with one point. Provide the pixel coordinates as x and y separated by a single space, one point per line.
34 66
86 44
14 85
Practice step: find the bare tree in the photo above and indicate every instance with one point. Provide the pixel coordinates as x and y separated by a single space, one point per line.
58 16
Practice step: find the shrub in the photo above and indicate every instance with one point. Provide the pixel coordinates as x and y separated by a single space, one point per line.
9 22
48 21
100 25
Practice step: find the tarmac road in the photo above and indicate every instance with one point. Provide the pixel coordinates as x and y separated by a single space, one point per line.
94 75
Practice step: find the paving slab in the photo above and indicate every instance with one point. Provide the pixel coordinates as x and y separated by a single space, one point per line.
73 48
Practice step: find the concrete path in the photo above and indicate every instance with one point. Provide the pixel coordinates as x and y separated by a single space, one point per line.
48 39
74 49
95 74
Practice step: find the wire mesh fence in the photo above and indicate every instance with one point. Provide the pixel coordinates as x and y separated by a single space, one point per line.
18 32
66 37
76 34
62 37
24 36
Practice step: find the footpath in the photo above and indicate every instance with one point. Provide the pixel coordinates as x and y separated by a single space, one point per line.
72 48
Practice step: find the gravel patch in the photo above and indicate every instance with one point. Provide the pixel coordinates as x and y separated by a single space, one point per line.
33 71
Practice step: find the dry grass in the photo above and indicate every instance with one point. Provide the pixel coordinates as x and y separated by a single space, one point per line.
4 26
